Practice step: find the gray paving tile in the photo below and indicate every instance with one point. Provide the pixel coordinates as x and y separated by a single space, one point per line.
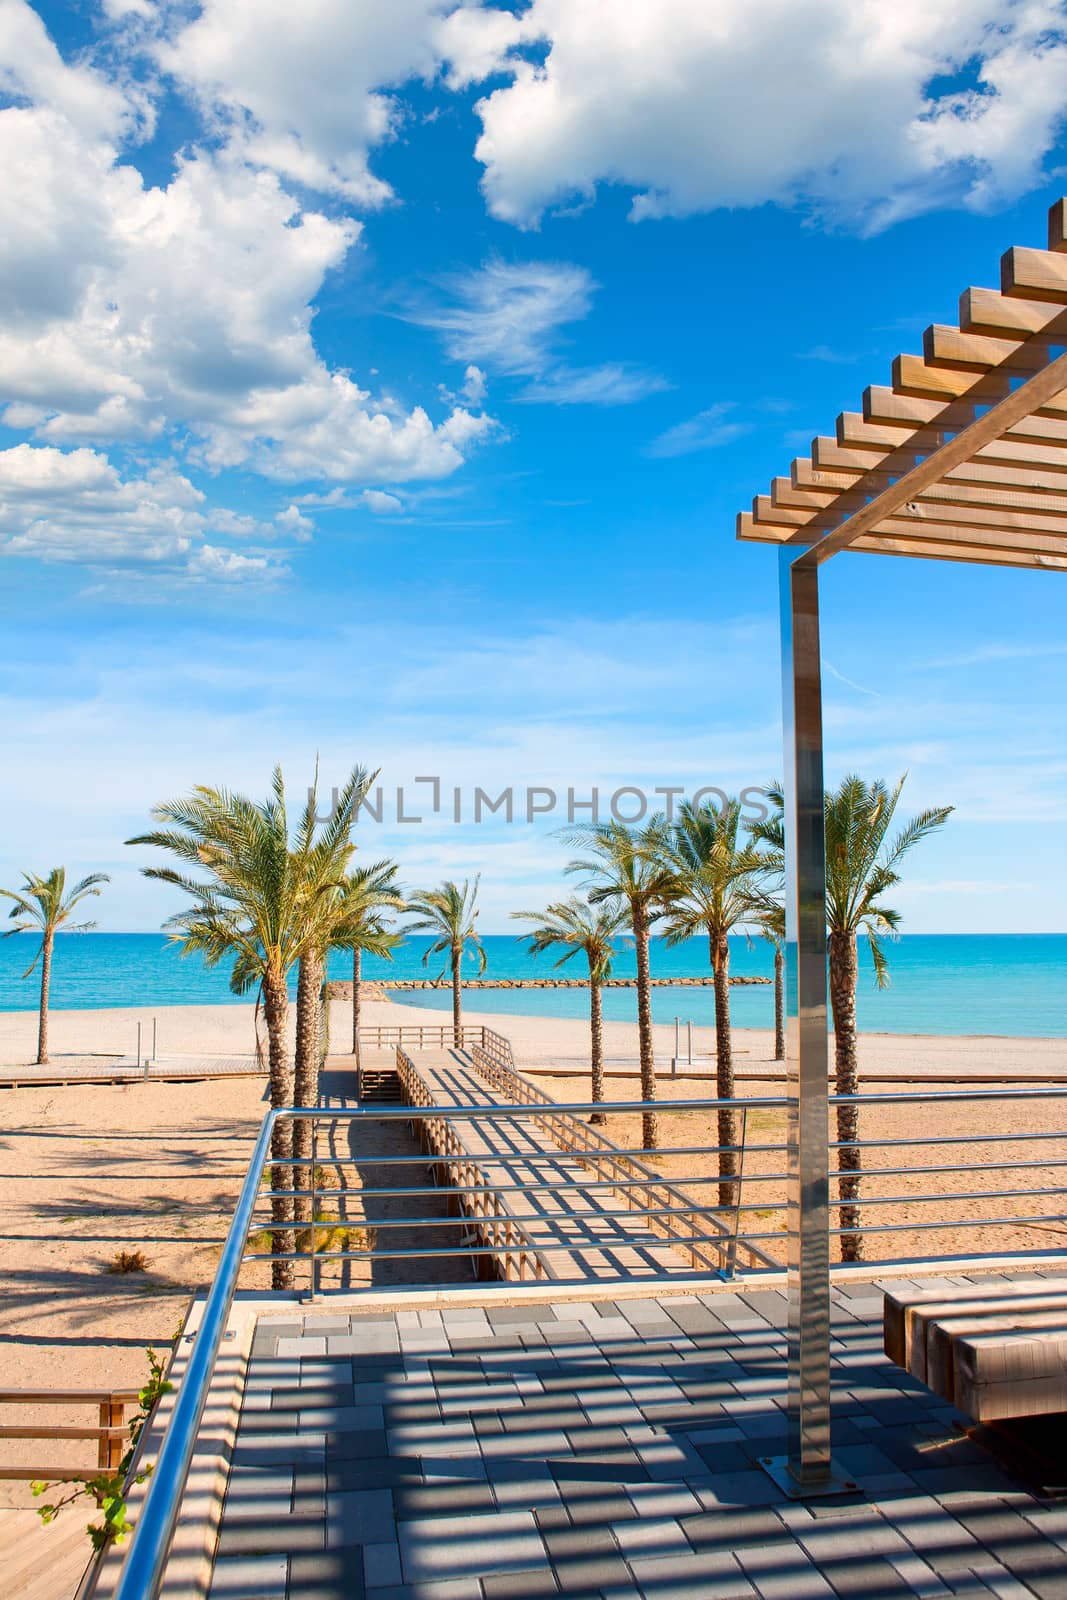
692 1577
237 1577
381 1565
781 1571
357 1516
454 1547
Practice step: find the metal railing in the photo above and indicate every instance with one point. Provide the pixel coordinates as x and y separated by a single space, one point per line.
146 1559
111 1432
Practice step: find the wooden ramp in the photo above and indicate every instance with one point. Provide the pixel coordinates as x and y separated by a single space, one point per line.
575 1232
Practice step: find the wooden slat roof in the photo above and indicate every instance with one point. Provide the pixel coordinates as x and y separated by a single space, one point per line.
964 456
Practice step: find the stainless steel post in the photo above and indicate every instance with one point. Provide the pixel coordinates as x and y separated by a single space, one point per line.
808 1467
689 1040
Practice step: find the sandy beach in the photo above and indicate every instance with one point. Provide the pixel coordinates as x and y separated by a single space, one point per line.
88 1169
538 1041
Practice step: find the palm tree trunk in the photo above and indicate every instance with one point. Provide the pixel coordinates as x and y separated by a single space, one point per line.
596 1045
276 1013
357 983
457 997
649 1119
724 1068
843 973
46 980
779 1003
306 1085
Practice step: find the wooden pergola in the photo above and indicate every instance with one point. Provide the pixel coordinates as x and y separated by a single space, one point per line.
962 458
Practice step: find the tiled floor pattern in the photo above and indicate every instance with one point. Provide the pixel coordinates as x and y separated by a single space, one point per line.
607 1451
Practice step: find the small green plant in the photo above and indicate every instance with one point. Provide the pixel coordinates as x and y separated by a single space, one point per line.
129 1261
109 1489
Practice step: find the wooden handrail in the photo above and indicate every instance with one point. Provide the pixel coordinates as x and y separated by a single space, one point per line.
434 1034
495 1061
439 1136
111 1432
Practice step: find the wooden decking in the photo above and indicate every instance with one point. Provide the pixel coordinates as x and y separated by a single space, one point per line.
574 1231
126 1069
43 1562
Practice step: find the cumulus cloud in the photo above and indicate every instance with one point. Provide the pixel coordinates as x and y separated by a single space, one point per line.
136 311
509 315
304 90
74 506
862 110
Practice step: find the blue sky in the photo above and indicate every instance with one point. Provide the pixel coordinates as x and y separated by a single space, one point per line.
383 383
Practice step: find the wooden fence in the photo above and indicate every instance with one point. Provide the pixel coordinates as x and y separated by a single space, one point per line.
111 1431
493 1223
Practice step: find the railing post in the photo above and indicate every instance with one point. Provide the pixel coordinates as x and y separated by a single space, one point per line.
314 1263
808 1466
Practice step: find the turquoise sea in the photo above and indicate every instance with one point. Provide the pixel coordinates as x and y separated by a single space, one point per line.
1009 984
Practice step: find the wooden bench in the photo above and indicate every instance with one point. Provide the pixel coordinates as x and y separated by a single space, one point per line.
996 1351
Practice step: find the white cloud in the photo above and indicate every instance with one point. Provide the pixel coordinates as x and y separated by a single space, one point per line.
32 68
293 521
134 312
859 109
303 90
509 315
380 503
474 387
75 507
706 431
612 384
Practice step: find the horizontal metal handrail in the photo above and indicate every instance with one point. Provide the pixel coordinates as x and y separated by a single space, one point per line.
145 1561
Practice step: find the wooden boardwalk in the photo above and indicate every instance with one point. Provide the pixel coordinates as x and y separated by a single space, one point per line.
126 1069
573 1232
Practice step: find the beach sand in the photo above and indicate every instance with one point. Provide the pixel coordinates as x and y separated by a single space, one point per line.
88 1169
223 1030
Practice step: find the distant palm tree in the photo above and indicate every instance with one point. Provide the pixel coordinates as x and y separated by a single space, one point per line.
771 920
448 914
43 906
860 867
574 926
257 903
625 865
714 889
370 893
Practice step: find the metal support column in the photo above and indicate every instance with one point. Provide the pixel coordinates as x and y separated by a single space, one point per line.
807 1469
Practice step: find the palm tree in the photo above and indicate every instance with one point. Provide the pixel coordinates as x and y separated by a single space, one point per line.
575 925
257 905
771 920
860 868
448 915
369 893
625 865
43 906
714 889
324 867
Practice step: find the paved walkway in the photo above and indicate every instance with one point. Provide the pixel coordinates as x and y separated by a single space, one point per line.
513 1152
607 1451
